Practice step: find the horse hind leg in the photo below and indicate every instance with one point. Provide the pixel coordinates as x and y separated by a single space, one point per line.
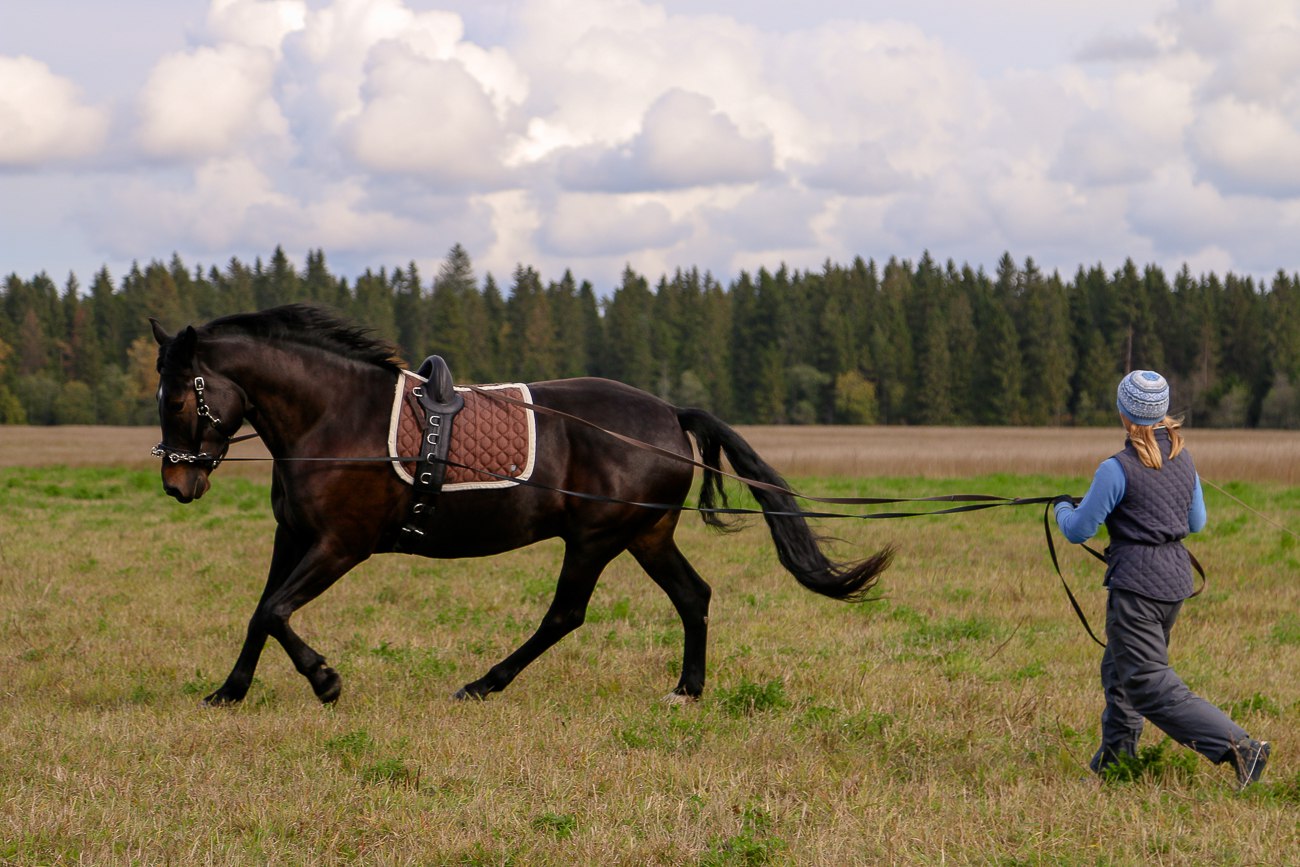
582 567
664 562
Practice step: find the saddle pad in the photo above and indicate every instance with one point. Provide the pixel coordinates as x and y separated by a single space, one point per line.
486 434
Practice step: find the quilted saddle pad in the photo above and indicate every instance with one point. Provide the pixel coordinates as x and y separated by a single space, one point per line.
486 434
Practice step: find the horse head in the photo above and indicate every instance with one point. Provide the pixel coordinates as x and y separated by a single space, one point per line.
199 410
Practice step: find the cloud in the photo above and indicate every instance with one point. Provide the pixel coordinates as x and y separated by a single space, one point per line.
1180 213
949 209
684 142
1137 127
1247 148
1245 135
344 42
428 118
211 101
580 225
632 131
231 207
883 86
42 116
856 169
256 23
1112 47
210 210
776 217
1250 46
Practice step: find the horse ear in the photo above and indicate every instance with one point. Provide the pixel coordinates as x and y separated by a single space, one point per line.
185 340
159 335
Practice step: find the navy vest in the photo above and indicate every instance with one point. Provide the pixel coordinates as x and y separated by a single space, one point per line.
1146 553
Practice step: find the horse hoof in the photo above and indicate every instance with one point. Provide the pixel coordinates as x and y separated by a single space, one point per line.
327 685
221 699
466 694
676 699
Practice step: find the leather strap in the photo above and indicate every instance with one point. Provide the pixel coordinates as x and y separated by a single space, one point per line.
439 403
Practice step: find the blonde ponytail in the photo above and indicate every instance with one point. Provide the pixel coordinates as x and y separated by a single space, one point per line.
1143 438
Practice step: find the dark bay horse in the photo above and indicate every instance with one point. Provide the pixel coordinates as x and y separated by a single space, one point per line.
314 386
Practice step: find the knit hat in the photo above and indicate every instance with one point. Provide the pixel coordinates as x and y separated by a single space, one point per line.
1143 397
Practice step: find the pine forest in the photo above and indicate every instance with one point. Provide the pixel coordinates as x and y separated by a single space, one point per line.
906 343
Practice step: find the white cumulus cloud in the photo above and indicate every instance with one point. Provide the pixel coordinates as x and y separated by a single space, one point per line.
43 117
684 142
211 101
651 133
427 117
1245 147
256 23
581 225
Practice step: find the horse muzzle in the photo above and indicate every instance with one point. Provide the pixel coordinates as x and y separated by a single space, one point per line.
185 484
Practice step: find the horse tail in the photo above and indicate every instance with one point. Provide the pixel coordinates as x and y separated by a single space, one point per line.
797 547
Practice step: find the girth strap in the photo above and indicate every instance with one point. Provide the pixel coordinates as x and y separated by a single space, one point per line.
440 403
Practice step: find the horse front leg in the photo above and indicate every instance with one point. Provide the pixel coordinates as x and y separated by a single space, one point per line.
285 555
299 573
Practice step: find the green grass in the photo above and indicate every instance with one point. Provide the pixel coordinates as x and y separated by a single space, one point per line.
950 720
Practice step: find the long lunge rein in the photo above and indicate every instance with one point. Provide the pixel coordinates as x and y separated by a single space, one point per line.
969 502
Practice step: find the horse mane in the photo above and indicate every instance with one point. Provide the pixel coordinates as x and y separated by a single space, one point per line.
314 326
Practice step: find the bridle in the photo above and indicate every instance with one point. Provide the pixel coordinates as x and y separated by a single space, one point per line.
207 418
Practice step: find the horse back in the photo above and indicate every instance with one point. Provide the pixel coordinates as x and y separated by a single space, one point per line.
590 453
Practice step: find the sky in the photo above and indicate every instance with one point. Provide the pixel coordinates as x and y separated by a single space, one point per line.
596 135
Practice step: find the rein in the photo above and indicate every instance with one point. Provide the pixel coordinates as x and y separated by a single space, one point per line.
971 502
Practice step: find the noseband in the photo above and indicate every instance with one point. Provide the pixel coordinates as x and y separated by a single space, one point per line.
206 417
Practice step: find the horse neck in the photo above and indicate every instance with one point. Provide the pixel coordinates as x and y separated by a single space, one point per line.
300 395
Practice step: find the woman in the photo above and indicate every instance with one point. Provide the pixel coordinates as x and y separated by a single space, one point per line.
1149 497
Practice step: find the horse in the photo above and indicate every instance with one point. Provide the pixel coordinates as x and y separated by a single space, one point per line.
318 390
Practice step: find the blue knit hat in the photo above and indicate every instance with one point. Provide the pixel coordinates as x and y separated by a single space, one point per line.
1143 397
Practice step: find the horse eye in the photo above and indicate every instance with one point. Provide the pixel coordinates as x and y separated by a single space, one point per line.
175 407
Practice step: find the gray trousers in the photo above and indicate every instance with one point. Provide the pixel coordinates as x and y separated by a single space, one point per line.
1139 683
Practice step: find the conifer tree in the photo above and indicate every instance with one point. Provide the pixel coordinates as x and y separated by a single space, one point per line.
498 355
929 308
1046 348
963 340
413 315
569 325
628 316
455 318
1245 339
711 353
892 350
372 303
531 329
321 286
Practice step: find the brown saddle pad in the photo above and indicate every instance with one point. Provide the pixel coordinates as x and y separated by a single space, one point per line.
486 435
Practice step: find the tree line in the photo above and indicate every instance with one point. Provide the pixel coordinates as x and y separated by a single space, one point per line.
906 343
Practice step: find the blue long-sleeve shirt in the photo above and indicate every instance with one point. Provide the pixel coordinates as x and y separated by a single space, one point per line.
1079 524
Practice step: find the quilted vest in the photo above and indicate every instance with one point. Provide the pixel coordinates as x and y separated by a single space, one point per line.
1146 554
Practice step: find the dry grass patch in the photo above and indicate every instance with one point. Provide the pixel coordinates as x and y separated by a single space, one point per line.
950 721
829 451
942 452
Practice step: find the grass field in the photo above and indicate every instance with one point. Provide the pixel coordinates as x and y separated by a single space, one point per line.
947 722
